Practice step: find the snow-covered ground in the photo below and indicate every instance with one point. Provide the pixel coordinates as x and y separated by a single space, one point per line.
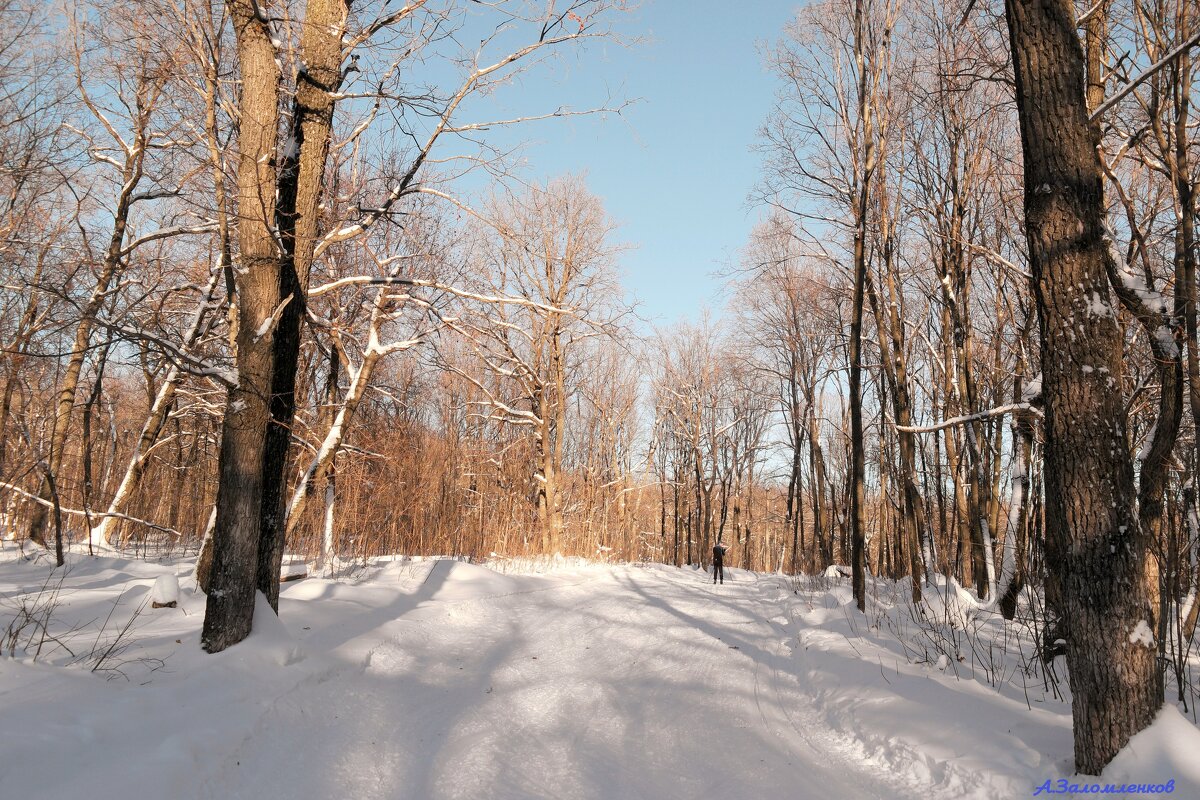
441 679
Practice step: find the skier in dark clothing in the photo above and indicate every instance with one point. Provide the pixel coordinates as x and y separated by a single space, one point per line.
719 562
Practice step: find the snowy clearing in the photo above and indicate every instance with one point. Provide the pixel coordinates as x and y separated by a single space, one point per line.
442 679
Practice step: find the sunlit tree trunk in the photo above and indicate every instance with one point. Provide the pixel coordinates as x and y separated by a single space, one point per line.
232 581
1093 538
301 174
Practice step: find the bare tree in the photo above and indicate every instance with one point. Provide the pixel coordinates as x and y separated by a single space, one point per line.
1095 541
201 45
235 537
837 62
136 149
280 217
552 252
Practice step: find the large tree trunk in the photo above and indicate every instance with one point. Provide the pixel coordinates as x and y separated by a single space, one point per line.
235 542
1185 271
956 462
1093 539
302 171
550 447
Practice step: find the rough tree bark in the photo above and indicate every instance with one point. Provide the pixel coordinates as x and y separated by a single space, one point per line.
235 538
1093 540
301 174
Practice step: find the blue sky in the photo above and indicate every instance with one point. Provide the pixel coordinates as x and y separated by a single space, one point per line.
675 169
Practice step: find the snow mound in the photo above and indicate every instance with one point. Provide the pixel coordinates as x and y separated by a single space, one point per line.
165 591
269 638
462 581
950 603
1166 750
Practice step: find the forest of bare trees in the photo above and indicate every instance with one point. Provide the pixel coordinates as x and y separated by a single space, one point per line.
273 285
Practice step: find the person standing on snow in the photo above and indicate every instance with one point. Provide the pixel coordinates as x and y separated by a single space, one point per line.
719 561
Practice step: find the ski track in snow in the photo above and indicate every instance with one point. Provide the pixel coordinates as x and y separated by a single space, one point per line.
558 692
439 679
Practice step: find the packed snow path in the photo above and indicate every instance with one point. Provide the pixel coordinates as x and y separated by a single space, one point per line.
620 683
416 680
